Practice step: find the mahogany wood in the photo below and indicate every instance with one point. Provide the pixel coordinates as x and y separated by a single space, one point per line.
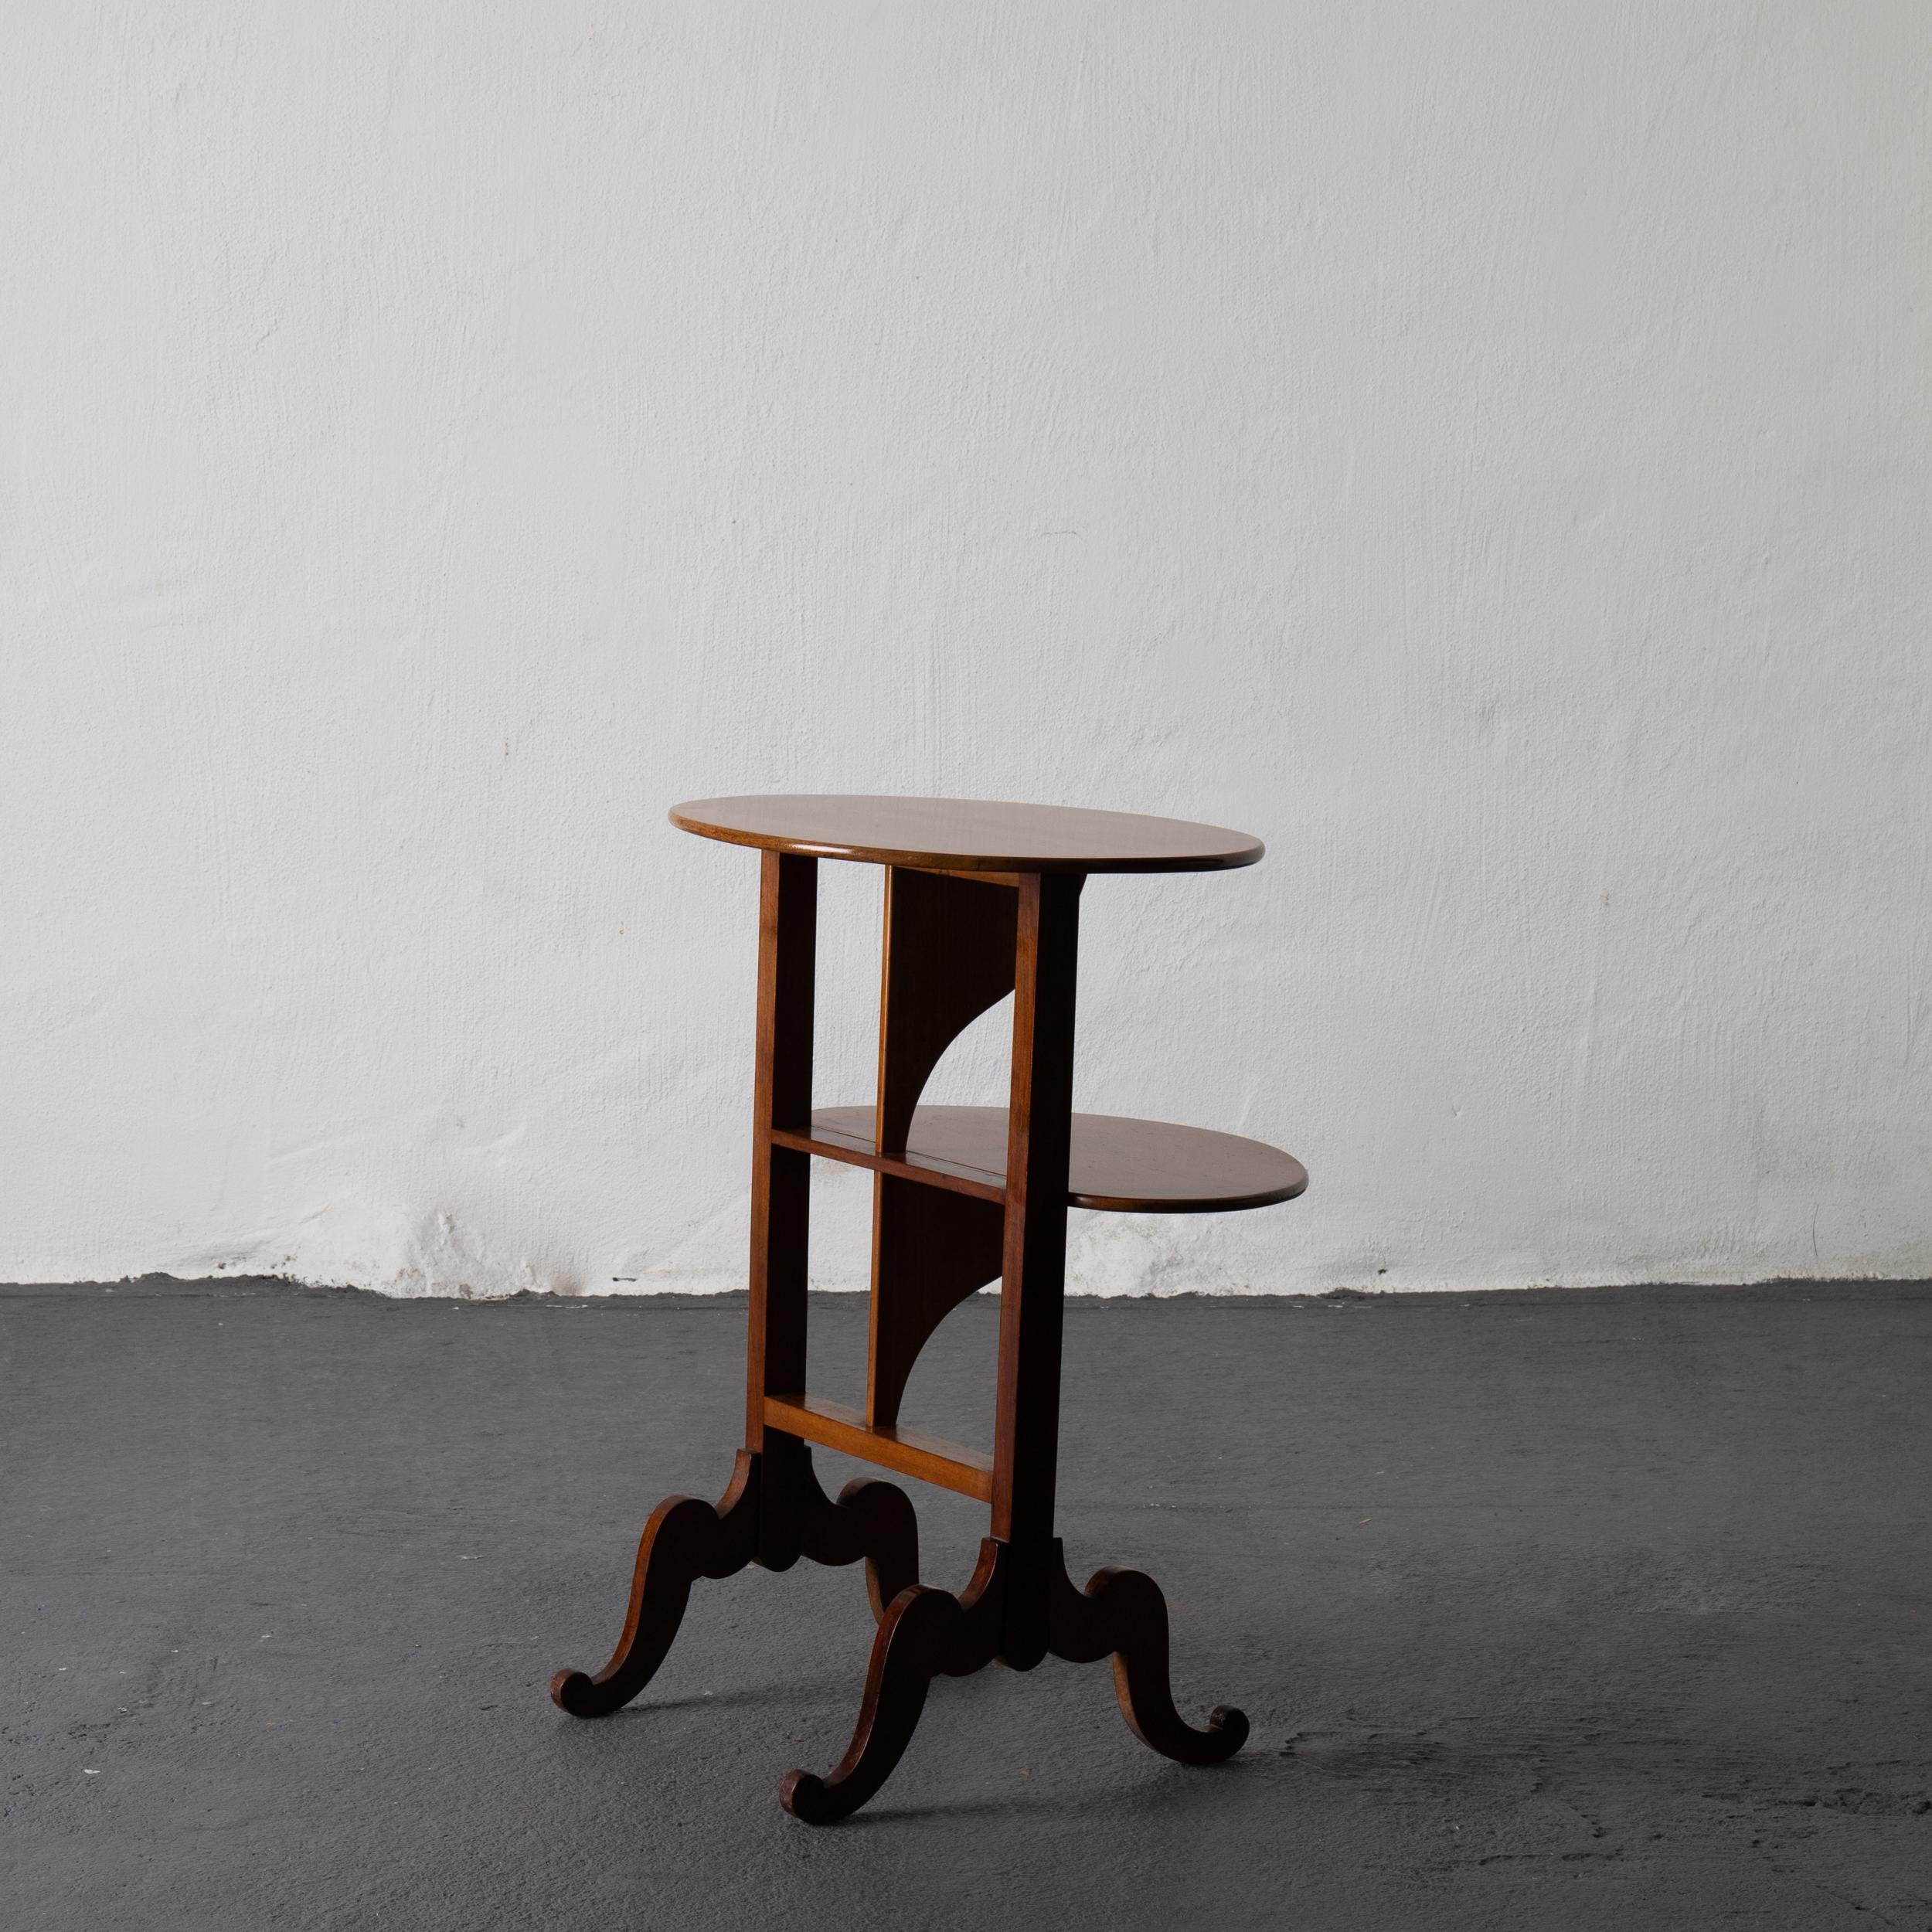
685 1540
930 1458
982 898
781 1175
833 1143
1123 1611
1114 1163
1033 1272
872 1522
949 956
926 1633
968 834
931 1248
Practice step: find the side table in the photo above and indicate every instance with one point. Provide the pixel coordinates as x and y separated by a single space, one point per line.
982 900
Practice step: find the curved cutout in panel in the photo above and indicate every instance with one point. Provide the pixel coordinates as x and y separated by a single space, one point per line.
949 950
931 1248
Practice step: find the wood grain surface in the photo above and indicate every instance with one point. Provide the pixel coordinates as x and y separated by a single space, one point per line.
1130 1166
966 834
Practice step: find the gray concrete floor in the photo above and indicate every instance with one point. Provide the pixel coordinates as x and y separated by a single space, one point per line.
1553 1610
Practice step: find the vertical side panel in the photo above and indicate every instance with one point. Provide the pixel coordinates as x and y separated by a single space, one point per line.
780 1177
930 1250
949 956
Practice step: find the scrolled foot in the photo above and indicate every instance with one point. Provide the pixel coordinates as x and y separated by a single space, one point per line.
1123 1611
804 1794
1225 1721
925 1634
684 1540
576 1691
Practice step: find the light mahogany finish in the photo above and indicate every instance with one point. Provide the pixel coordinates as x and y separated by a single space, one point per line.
967 835
930 1458
982 900
829 1143
1121 1165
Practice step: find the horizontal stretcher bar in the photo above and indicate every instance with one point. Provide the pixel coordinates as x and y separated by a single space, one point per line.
930 1458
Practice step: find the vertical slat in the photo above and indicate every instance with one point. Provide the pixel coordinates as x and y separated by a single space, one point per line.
780 1176
1026 1437
901 1072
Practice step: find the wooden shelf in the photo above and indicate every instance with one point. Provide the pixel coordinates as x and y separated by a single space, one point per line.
1129 1166
831 1140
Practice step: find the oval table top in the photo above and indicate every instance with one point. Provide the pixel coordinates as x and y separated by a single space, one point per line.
1132 1167
966 834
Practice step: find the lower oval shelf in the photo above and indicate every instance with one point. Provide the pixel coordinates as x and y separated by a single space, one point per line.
1129 1166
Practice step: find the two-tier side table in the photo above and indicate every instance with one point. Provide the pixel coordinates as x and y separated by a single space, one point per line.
982 900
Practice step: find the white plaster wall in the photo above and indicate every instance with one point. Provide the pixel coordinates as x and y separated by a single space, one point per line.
1482 448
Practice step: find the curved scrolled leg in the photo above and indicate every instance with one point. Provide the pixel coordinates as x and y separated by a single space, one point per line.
925 1634
1123 1612
874 1520
684 1540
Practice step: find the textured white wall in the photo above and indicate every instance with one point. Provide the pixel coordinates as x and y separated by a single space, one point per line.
1482 448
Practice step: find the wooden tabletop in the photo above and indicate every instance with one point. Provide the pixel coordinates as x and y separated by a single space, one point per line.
966 834
1132 1167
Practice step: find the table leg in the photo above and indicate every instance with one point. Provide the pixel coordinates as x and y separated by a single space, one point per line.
774 1511
684 1540
1033 1269
1123 1612
1006 1611
927 1633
